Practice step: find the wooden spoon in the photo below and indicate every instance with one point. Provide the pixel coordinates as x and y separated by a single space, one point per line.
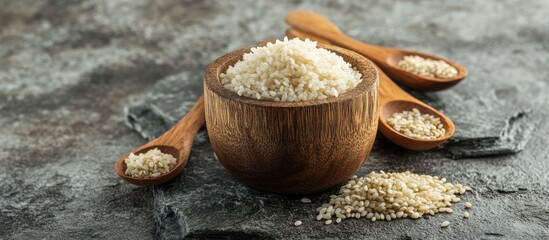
393 99
386 58
177 141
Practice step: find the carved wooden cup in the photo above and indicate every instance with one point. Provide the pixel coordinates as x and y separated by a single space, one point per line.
292 147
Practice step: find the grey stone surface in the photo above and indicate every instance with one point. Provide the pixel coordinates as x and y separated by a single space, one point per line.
73 74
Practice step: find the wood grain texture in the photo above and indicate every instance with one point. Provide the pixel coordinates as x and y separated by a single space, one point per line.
177 141
393 99
292 147
386 58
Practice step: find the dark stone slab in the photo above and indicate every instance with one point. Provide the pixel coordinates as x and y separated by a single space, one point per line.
206 202
509 140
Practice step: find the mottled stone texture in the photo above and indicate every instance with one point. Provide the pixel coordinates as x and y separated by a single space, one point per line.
75 74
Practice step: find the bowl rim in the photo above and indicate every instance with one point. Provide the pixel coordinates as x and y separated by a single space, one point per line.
363 65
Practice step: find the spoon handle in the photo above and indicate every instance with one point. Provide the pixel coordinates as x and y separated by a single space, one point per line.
315 24
377 54
389 91
181 135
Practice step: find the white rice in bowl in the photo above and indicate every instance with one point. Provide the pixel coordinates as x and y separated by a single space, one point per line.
291 71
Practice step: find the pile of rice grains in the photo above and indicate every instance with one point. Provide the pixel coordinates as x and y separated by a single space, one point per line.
427 67
416 125
290 71
390 196
151 164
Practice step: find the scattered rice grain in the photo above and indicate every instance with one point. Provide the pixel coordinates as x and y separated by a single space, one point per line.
445 224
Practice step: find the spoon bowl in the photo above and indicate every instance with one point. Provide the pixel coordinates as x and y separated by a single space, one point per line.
396 106
120 167
386 58
393 99
177 142
418 82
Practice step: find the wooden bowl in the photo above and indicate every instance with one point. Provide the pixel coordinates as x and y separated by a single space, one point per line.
292 147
